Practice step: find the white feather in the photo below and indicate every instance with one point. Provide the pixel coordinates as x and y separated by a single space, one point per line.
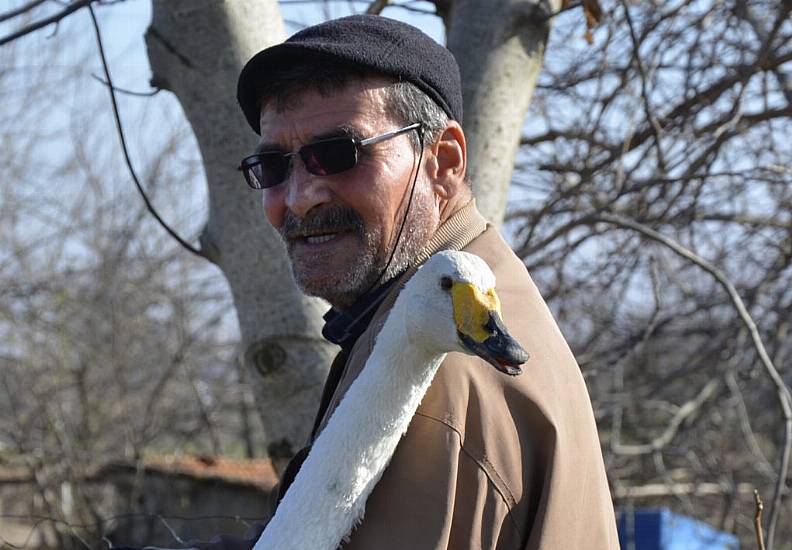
328 496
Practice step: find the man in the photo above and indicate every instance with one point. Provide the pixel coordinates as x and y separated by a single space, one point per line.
362 165
489 461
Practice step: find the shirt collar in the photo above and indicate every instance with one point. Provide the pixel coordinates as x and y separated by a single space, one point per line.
344 327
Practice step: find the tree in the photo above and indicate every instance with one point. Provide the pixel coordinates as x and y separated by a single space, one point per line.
500 48
197 50
652 197
114 344
108 355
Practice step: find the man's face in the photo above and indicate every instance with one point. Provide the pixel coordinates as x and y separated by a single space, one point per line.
340 230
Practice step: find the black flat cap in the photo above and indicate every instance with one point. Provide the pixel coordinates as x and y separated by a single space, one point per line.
381 45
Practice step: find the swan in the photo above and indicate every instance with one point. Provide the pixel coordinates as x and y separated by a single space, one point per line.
449 305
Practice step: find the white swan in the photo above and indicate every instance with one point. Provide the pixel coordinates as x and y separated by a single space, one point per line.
448 305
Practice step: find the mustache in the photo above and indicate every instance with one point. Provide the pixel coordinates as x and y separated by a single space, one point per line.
330 219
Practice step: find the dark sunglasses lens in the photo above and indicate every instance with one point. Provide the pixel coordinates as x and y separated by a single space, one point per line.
265 169
332 156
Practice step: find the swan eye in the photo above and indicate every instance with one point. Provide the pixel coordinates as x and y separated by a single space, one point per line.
490 325
446 283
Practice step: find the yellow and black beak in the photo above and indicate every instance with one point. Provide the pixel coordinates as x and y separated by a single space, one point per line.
481 330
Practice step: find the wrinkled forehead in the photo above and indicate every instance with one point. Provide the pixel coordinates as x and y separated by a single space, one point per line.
366 93
293 89
311 114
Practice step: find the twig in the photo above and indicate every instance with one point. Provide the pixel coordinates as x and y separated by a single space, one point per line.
782 391
376 7
654 124
373 7
565 6
100 522
127 92
20 10
38 521
5 544
762 464
758 521
121 136
54 31
71 8
175 536
687 410
656 490
412 9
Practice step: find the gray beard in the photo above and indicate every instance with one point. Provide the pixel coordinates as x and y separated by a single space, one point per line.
421 224
371 266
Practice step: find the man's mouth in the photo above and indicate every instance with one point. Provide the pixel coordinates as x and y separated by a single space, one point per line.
319 239
321 226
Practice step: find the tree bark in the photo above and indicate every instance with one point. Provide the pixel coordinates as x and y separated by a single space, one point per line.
499 45
196 49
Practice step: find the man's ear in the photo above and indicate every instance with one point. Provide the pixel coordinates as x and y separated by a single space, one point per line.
448 162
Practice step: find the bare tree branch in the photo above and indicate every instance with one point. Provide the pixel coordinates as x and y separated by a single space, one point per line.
121 136
24 8
654 125
762 463
376 7
687 410
153 92
55 18
782 391
758 521
655 490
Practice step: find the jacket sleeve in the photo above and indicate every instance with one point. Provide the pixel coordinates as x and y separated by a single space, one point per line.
435 496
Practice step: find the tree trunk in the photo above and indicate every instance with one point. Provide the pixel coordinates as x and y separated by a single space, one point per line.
196 49
499 45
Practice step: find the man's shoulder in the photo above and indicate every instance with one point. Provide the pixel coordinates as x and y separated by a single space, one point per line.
476 399
509 270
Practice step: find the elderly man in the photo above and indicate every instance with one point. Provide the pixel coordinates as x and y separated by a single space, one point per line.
362 170
362 165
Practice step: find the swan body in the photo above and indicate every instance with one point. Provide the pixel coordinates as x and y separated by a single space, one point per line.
448 305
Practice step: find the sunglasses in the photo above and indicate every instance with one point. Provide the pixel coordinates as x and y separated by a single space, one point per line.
321 158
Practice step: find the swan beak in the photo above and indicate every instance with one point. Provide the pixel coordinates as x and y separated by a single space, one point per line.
481 330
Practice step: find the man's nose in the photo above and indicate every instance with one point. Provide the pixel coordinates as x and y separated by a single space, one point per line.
304 191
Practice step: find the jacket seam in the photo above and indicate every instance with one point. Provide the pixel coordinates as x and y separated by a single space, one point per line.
487 468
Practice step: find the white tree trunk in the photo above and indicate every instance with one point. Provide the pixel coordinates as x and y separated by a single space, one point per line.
196 49
499 45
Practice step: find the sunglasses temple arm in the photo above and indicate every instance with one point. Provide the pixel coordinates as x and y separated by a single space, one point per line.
389 135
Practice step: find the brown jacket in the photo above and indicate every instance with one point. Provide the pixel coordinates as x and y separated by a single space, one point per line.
491 461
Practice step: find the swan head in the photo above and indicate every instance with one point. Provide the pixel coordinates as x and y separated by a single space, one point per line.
452 306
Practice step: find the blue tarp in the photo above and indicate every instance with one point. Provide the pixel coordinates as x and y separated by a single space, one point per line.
661 529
